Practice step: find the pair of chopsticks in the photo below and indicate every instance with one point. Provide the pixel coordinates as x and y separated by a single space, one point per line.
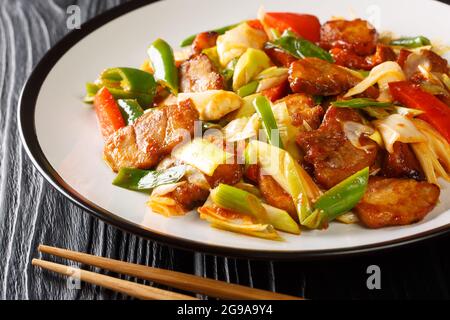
179 280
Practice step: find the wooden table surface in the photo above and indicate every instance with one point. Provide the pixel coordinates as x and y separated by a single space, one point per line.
33 212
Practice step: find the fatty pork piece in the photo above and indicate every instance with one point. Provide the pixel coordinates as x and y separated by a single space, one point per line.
357 35
318 77
142 144
402 163
301 107
199 74
393 202
348 58
190 195
330 153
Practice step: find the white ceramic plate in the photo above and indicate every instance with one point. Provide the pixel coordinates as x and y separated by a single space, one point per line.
61 135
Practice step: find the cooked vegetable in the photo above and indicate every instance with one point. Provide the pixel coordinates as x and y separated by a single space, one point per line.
248 89
91 90
290 176
436 113
131 110
264 110
189 40
249 65
213 104
238 225
344 196
398 128
233 43
163 62
301 48
303 25
125 83
413 42
360 103
353 132
238 200
202 154
271 77
108 114
434 154
382 74
288 132
281 220
242 128
145 180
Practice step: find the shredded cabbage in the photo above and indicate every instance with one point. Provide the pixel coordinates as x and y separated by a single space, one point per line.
236 41
354 130
433 154
242 128
202 154
382 74
398 128
213 104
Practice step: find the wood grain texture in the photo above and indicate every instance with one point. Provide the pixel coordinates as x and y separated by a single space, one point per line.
33 212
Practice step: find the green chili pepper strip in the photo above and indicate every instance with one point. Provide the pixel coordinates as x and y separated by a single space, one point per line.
189 40
145 180
130 109
248 89
360 103
301 48
344 196
91 90
130 83
163 62
414 42
264 110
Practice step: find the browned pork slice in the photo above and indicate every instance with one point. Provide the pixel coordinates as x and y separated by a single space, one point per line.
199 74
330 153
392 202
356 35
348 58
402 163
301 107
142 144
318 77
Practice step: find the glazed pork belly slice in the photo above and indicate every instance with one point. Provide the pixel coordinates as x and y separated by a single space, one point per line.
329 151
199 74
314 76
394 202
348 58
154 135
301 107
402 163
356 35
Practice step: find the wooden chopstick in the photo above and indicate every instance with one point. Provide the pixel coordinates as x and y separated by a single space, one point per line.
179 280
130 288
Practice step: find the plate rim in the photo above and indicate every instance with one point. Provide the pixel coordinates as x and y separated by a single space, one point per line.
27 130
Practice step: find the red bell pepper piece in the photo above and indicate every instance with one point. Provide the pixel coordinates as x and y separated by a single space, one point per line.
277 92
109 117
255 24
305 25
436 113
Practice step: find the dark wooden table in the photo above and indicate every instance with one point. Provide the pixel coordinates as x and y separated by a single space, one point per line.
33 212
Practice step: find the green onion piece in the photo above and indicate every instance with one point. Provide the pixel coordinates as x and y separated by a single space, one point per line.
145 180
264 110
213 56
360 103
413 42
130 109
240 201
248 89
301 48
189 40
344 196
163 62
281 220
91 90
318 99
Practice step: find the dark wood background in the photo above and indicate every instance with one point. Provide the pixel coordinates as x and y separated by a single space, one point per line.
33 212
